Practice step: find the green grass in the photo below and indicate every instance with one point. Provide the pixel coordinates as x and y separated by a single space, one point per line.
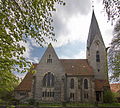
51 104
73 105
80 104
109 104
76 104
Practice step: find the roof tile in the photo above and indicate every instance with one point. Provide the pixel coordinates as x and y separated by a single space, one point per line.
100 84
26 83
77 67
115 87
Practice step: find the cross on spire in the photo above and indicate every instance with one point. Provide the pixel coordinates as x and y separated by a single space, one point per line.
93 4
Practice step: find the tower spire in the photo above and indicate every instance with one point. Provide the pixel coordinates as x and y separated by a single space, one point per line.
93 31
96 51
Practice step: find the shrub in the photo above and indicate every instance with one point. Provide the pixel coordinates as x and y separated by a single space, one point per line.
64 104
108 97
31 101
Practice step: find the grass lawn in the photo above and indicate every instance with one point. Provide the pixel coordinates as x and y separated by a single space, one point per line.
75 105
110 104
80 104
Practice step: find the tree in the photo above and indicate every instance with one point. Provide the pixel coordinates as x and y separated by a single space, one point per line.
114 53
7 86
112 8
19 21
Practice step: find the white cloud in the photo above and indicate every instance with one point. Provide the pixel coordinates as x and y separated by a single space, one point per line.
34 59
80 55
72 26
105 27
28 48
72 22
34 43
20 75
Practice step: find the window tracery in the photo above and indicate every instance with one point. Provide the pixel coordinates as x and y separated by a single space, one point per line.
85 84
48 80
72 83
97 56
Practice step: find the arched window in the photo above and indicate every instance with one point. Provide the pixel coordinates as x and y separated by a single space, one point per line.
97 56
85 84
48 80
72 84
45 80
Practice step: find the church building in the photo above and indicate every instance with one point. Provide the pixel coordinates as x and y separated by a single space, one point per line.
69 80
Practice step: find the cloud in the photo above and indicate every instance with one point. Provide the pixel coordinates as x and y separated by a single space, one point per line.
65 20
76 28
34 43
108 35
60 28
80 55
105 27
68 22
28 49
71 50
34 60
20 75
72 23
74 7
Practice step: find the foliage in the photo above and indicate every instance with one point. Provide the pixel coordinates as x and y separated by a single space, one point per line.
19 21
2 101
112 8
114 53
108 97
7 87
31 101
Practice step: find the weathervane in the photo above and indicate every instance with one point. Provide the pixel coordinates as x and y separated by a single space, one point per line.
93 4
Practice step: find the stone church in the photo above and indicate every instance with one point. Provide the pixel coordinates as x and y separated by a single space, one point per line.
69 80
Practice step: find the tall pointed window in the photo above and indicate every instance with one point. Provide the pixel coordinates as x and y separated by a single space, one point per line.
79 83
85 84
48 80
97 56
45 80
49 60
72 84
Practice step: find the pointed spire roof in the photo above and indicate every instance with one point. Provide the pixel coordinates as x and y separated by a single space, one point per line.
93 31
50 45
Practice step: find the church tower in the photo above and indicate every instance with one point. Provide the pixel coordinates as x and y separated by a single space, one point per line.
96 51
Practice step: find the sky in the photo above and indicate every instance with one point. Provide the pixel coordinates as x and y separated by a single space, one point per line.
71 24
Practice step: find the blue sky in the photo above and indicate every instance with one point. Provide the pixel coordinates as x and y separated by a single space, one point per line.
71 23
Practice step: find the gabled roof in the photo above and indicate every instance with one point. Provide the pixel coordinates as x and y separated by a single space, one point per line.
115 87
100 84
93 31
77 67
